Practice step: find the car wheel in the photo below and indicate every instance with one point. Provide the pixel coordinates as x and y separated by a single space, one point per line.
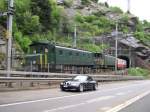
81 89
95 86
62 89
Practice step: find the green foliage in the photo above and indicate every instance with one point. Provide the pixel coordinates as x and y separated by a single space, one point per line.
90 18
124 18
146 24
139 27
23 41
56 17
95 1
79 18
43 9
35 20
45 20
22 6
68 3
139 72
93 24
115 10
3 5
144 37
30 24
2 57
3 8
85 2
43 36
141 34
90 47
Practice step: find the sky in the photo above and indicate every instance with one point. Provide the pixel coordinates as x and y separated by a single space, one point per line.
139 8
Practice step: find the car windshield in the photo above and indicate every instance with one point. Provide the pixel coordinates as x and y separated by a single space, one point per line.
80 78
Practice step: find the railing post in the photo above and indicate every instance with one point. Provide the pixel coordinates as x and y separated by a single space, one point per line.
48 67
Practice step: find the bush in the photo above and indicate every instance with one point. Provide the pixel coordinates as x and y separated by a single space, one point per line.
23 41
138 72
116 10
91 47
68 3
79 18
85 2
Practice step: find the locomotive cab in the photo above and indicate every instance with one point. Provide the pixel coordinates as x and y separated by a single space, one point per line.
41 57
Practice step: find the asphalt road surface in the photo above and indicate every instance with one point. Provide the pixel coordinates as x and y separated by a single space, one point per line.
114 97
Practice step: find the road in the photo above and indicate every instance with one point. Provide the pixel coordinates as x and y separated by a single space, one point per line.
113 97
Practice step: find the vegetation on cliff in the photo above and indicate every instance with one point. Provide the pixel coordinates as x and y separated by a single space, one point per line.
46 20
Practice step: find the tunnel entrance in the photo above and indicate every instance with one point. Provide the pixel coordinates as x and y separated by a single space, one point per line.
125 58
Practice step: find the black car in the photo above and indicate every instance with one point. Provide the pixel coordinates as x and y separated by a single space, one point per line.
79 83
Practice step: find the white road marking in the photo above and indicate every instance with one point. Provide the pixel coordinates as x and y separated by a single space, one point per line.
99 99
34 101
65 107
129 102
48 99
104 108
83 103
121 93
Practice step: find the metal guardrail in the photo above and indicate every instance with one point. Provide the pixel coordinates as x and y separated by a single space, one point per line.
61 76
21 79
36 79
23 73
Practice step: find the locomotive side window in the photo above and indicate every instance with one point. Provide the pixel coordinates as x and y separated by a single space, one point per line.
70 53
77 54
60 52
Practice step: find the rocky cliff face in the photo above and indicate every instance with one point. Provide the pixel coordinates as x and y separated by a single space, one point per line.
2 48
130 21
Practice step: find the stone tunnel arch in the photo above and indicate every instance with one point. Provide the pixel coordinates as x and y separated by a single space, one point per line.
127 60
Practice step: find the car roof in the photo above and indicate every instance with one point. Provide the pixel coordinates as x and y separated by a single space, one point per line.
82 76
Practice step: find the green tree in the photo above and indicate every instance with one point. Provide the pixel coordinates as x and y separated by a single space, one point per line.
3 5
43 9
23 41
30 23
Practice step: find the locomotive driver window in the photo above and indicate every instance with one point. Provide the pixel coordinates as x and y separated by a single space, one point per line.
34 51
46 50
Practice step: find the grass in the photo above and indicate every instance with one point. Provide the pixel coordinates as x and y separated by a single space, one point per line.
139 72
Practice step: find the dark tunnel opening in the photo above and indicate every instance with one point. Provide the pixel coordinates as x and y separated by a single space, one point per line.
125 58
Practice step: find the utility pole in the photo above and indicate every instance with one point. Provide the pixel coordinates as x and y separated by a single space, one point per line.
75 36
9 31
116 46
128 10
130 57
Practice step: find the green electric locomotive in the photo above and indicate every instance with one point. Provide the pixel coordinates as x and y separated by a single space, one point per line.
45 56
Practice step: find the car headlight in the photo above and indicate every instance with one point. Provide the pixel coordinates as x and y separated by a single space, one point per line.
61 83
